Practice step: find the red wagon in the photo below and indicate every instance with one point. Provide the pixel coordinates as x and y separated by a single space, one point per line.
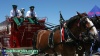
22 37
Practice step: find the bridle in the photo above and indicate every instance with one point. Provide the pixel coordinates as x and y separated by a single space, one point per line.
82 22
87 28
78 42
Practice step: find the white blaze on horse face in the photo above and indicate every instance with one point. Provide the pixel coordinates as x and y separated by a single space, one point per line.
93 30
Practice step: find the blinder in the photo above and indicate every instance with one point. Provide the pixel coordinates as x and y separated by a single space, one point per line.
86 36
83 21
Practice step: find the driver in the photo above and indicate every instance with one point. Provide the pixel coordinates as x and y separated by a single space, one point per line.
16 15
31 15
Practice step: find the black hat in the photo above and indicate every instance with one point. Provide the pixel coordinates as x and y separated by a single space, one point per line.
14 6
32 7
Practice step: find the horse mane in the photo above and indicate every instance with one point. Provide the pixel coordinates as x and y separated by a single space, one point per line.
72 20
57 28
68 22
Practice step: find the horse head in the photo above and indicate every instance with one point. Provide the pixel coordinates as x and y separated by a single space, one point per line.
91 31
84 27
80 29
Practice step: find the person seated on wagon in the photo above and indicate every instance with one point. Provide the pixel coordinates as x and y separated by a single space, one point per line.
22 11
31 15
16 14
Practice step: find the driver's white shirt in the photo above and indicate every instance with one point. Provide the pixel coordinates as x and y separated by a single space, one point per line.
28 14
12 13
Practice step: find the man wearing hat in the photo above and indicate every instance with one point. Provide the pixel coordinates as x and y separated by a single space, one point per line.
16 15
31 15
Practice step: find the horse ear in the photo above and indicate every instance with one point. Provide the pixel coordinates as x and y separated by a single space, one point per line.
79 14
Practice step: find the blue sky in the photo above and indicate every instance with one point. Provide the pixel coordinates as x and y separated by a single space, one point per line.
49 8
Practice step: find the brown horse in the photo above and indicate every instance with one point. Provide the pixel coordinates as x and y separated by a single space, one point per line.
77 45
42 41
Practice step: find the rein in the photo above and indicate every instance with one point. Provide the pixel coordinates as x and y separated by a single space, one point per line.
88 29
